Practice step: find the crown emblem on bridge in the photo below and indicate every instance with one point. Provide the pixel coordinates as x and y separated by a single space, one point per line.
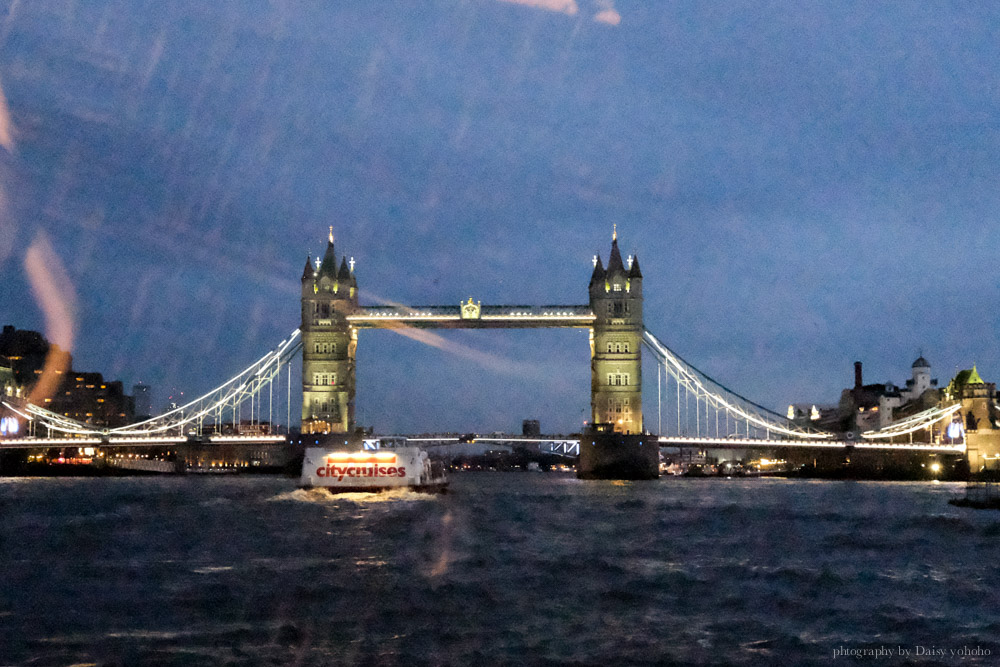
470 310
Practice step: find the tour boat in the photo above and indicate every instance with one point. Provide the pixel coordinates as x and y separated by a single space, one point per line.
341 471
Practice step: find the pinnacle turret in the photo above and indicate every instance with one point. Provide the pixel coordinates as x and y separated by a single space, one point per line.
598 275
345 272
634 271
329 265
615 263
308 273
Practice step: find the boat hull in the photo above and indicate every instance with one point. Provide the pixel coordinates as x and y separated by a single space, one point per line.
341 471
433 488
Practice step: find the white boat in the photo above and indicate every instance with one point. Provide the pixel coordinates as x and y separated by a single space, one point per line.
342 471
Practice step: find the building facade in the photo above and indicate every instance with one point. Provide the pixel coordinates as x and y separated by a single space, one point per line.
868 407
329 343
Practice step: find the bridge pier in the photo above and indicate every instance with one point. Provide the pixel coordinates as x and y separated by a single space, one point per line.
607 454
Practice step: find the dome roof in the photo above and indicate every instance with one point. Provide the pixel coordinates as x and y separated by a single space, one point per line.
921 363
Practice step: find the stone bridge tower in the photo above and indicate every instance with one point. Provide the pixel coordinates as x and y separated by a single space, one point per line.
616 343
329 343
979 415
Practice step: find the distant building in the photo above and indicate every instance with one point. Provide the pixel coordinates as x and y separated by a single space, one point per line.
88 398
867 407
27 352
531 428
823 417
143 396
83 396
9 386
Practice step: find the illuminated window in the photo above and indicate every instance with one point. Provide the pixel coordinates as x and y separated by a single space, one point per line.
617 287
618 379
325 379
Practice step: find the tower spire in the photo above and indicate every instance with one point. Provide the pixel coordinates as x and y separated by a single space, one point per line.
331 233
614 231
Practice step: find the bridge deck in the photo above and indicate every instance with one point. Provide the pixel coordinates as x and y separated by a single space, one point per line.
751 443
480 317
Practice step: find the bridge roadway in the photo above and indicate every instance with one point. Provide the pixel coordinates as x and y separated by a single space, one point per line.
47 443
553 445
751 443
571 446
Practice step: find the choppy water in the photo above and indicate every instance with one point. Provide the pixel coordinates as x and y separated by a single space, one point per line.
509 568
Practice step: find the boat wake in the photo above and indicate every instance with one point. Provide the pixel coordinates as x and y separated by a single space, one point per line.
322 496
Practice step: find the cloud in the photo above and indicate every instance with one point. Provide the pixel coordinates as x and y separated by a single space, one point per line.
608 13
568 7
609 16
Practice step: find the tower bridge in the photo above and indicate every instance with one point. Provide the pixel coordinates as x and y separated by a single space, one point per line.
692 409
332 318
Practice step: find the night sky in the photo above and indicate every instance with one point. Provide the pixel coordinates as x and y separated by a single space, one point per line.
805 185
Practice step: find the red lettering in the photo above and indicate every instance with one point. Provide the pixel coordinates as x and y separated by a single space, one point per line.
391 471
402 472
321 472
352 471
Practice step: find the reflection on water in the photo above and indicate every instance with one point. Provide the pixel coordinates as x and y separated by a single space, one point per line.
512 568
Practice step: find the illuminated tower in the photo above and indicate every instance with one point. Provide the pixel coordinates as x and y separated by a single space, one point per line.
329 342
616 343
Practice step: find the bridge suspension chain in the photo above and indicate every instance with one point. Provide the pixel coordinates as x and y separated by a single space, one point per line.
739 412
246 386
914 423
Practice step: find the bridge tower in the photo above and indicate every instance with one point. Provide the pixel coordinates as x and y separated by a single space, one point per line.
329 343
616 343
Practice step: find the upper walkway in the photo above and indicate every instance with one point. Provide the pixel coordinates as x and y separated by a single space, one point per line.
472 315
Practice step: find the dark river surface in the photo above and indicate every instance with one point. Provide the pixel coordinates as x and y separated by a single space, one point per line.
508 568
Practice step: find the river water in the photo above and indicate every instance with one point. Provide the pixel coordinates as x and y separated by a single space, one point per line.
509 568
